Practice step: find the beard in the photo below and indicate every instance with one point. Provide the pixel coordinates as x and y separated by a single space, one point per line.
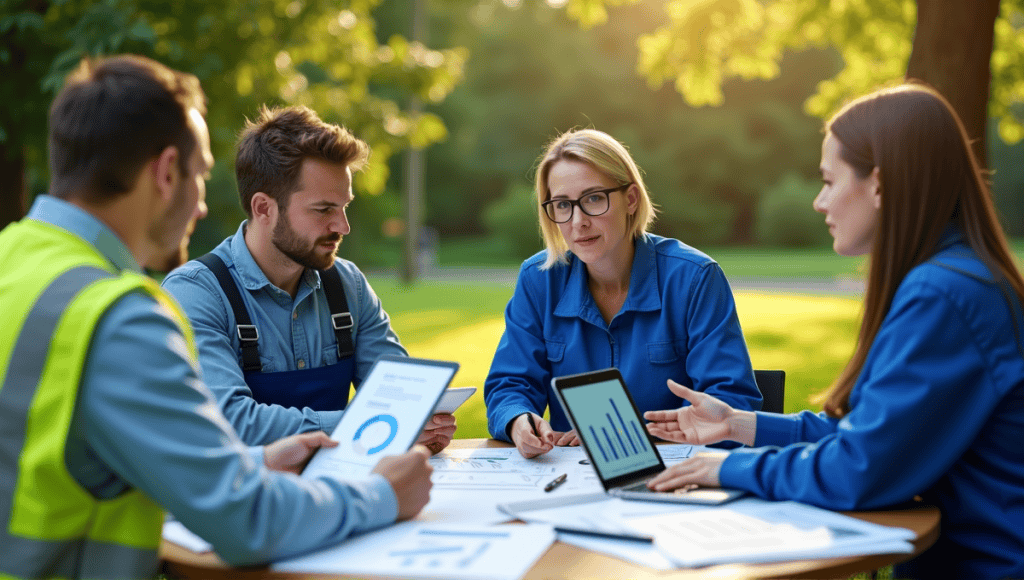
171 236
297 249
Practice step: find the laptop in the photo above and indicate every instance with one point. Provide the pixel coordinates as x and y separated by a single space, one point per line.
612 434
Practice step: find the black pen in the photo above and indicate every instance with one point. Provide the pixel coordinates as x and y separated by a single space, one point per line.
529 417
609 535
556 482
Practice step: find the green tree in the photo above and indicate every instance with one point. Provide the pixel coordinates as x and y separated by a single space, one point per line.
953 45
534 73
320 53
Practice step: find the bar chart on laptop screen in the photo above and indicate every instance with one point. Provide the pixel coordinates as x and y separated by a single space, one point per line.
611 428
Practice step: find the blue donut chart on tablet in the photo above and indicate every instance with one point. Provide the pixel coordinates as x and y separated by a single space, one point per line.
386 415
360 448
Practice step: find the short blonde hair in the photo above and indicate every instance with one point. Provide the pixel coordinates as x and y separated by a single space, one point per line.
608 156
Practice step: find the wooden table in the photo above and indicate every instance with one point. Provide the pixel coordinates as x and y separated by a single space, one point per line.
565 561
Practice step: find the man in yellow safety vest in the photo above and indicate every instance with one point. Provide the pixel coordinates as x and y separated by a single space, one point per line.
104 419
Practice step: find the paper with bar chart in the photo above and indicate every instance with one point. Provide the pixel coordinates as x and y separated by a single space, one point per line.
606 420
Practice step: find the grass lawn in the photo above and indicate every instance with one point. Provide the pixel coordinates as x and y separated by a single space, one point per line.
810 337
737 262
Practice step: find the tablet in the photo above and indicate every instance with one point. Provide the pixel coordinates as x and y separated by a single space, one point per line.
453 398
386 416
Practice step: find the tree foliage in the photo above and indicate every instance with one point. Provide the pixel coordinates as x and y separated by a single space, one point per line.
705 42
705 169
321 53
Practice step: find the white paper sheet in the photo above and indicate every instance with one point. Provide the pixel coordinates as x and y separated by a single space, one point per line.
754 531
175 532
416 550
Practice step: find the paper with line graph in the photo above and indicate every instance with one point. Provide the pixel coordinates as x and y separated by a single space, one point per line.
416 550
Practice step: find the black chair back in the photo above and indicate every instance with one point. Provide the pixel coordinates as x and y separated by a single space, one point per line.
772 385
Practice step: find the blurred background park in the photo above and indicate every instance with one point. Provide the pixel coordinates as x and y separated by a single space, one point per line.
721 103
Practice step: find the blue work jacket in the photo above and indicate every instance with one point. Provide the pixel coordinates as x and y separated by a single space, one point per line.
678 322
937 411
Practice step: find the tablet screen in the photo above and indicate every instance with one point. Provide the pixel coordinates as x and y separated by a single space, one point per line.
386 415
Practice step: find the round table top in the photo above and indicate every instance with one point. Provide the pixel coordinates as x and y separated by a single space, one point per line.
564 560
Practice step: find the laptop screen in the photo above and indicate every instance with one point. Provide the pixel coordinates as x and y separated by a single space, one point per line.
609 426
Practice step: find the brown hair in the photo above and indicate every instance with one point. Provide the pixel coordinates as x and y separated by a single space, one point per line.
602 152
929 178
272 148
111 117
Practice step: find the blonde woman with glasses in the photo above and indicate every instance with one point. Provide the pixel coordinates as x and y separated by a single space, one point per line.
606 293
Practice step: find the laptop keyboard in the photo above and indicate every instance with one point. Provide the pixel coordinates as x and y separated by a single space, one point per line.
642 486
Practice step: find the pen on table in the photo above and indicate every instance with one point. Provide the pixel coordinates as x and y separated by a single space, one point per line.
609 535
556 482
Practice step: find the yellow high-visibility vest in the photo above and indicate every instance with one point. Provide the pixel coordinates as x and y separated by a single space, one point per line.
54 288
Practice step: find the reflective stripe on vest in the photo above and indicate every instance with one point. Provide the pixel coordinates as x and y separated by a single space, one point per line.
23 557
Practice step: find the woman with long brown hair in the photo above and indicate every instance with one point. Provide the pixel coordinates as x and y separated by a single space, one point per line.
932 401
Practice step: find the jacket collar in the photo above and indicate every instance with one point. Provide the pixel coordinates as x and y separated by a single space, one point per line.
643 295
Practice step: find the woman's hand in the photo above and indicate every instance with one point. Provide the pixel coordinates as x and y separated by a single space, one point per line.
567 439
700 470
532 444
704 421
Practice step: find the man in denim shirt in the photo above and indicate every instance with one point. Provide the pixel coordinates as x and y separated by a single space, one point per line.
294 176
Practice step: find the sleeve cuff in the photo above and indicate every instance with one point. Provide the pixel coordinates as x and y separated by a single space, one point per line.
500 431
775 429
256 454
329 420
380 495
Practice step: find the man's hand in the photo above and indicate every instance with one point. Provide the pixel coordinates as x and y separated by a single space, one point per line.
292 453
532 444
438 432
409 476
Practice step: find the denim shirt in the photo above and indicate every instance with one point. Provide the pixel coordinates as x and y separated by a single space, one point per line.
937 411
144 419
295 334
678 322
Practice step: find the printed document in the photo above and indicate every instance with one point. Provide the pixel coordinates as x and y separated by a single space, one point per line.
416 550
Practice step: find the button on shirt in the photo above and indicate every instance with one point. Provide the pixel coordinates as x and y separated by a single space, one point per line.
145 419
678 322
295 334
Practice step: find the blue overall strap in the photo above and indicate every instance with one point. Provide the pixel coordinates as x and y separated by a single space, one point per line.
341 318
248 336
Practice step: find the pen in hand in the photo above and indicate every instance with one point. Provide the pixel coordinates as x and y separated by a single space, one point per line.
533 425
556 482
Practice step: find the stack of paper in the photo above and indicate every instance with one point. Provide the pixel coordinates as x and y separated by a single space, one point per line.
752 531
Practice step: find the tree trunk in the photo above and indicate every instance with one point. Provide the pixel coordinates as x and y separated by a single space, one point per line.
952 52
12 186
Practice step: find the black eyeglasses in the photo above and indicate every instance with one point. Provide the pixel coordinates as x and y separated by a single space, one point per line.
593 203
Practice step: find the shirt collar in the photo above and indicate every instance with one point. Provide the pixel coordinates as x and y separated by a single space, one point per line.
249 271
75 220
951 236
643 292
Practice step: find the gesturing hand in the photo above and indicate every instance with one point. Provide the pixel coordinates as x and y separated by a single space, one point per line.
293 452
704 421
